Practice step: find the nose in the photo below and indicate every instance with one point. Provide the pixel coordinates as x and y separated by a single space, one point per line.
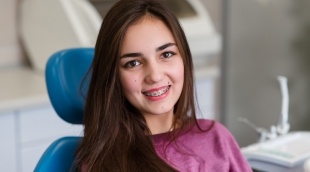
154 73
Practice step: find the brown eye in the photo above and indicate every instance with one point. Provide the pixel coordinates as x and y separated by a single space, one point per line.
168 54
132 64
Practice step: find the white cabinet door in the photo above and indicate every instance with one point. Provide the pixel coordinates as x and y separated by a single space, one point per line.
30 155
42 123
38 128
206 97
7 142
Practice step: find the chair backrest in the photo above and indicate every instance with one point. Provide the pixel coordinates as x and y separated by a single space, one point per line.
67 87
66 82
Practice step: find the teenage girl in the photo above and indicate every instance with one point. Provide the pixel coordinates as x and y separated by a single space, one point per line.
140 108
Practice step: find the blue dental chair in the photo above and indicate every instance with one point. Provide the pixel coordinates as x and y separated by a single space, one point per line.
67 88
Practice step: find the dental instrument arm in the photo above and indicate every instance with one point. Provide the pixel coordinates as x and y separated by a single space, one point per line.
264 134
283 126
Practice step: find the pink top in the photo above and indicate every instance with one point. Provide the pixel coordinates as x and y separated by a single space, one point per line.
196 151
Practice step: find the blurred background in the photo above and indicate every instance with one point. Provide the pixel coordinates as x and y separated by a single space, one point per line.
262 40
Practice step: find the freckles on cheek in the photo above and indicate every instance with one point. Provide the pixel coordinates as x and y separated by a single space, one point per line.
133 85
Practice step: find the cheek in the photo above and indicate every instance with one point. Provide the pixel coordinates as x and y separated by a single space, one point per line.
177 72
180 74
129 84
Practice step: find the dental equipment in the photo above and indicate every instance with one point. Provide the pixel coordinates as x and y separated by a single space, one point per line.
283 125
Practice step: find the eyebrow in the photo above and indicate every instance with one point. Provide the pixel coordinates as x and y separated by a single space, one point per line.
165 46
160 48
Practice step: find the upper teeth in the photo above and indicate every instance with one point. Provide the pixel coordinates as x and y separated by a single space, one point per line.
157 93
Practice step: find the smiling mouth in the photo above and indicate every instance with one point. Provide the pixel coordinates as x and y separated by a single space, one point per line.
158 92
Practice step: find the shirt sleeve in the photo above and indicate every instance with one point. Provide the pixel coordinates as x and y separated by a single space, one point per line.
237 161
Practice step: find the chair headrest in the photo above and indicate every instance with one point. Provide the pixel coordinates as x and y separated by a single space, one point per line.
66 85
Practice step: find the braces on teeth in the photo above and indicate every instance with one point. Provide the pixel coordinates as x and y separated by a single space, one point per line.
157 93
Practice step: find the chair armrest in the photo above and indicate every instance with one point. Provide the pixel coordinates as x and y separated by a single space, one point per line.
59 156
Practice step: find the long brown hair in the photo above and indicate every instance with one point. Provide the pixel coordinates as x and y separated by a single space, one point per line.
116 137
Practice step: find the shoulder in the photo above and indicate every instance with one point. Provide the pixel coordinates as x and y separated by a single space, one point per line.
209 131
212 126
226 145
218 142
214 129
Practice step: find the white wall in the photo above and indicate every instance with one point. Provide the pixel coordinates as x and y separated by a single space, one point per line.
10 51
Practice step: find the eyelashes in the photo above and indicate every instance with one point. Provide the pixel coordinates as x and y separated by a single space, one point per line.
132 64
168 54
136 62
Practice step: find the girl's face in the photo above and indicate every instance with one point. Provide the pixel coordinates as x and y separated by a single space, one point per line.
151 69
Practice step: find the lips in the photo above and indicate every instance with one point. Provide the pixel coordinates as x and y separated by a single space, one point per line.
157 93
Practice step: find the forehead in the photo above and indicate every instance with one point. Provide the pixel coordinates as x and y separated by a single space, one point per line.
145 33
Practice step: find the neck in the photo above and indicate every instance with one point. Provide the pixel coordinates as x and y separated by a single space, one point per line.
159 123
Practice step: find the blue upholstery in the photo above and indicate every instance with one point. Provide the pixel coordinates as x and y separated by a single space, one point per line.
59 156
65 72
